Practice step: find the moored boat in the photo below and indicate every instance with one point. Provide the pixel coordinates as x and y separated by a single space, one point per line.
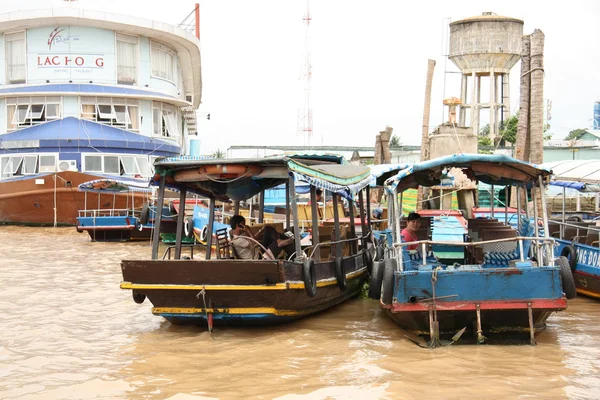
225 290
506 280
577 230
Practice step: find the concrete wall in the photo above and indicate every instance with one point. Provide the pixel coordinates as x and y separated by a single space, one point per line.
447 140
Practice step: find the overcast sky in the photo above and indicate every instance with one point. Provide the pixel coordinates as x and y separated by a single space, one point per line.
369 62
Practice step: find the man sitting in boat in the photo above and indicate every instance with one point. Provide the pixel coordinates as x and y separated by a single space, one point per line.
276 242
409 234
243 240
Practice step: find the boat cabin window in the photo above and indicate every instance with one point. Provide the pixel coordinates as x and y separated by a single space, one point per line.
120 113
28 111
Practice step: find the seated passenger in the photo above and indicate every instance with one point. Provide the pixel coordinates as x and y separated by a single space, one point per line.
275 242
409 234
244 248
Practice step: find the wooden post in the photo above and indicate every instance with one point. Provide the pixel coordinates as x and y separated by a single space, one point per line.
287 204
180 216
364 232
314 209
211 221
294 205
158 216
425 127
352 225
336 226
261 207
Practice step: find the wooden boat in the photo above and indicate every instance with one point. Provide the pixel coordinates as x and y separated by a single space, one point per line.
228 291
497 286
120 224
578 234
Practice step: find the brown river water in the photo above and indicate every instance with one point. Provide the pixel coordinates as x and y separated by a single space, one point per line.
68 332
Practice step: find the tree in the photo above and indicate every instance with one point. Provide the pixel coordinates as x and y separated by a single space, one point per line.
575 134
219 154
484 141
508 129
395 142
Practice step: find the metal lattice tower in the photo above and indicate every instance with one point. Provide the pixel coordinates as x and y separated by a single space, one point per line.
305 117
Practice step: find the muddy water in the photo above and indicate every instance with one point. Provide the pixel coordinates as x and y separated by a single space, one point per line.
68 332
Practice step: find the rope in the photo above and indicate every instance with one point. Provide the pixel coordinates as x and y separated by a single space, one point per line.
227 180
435 341
203 293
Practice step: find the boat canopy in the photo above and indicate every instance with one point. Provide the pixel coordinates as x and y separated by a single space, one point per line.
242 178
381 172
115 186
584 171
492 169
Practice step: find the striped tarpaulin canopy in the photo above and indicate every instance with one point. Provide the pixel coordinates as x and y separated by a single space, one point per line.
115 186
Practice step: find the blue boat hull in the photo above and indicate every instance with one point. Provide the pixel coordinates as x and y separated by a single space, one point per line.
587 270
502 296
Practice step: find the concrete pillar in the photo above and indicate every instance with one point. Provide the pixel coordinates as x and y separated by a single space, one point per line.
493 131
474 96
463 101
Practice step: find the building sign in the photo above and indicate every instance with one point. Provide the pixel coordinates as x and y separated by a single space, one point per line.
77 54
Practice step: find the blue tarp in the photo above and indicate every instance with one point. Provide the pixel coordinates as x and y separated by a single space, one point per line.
72 132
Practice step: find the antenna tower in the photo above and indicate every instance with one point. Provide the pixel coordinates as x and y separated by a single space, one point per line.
305 118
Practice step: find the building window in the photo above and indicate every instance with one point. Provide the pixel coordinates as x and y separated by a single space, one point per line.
122 165
164 120
163 62
127 52
121 113
26 164
28 111
15 57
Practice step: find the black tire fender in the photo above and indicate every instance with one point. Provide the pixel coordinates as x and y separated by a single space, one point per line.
204 233
570 254
379 253
145 215
368 259
376 276
188 227
138 297
387 281
340 274
566 276
309 275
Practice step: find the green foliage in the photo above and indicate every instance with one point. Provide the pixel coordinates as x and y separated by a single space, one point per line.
219 154
576 134
395 142
508 129
484 141
485 130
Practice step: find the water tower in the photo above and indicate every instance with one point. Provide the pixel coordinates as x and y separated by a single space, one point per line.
485 48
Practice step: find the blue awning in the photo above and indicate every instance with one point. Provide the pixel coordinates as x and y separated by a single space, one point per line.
71 132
